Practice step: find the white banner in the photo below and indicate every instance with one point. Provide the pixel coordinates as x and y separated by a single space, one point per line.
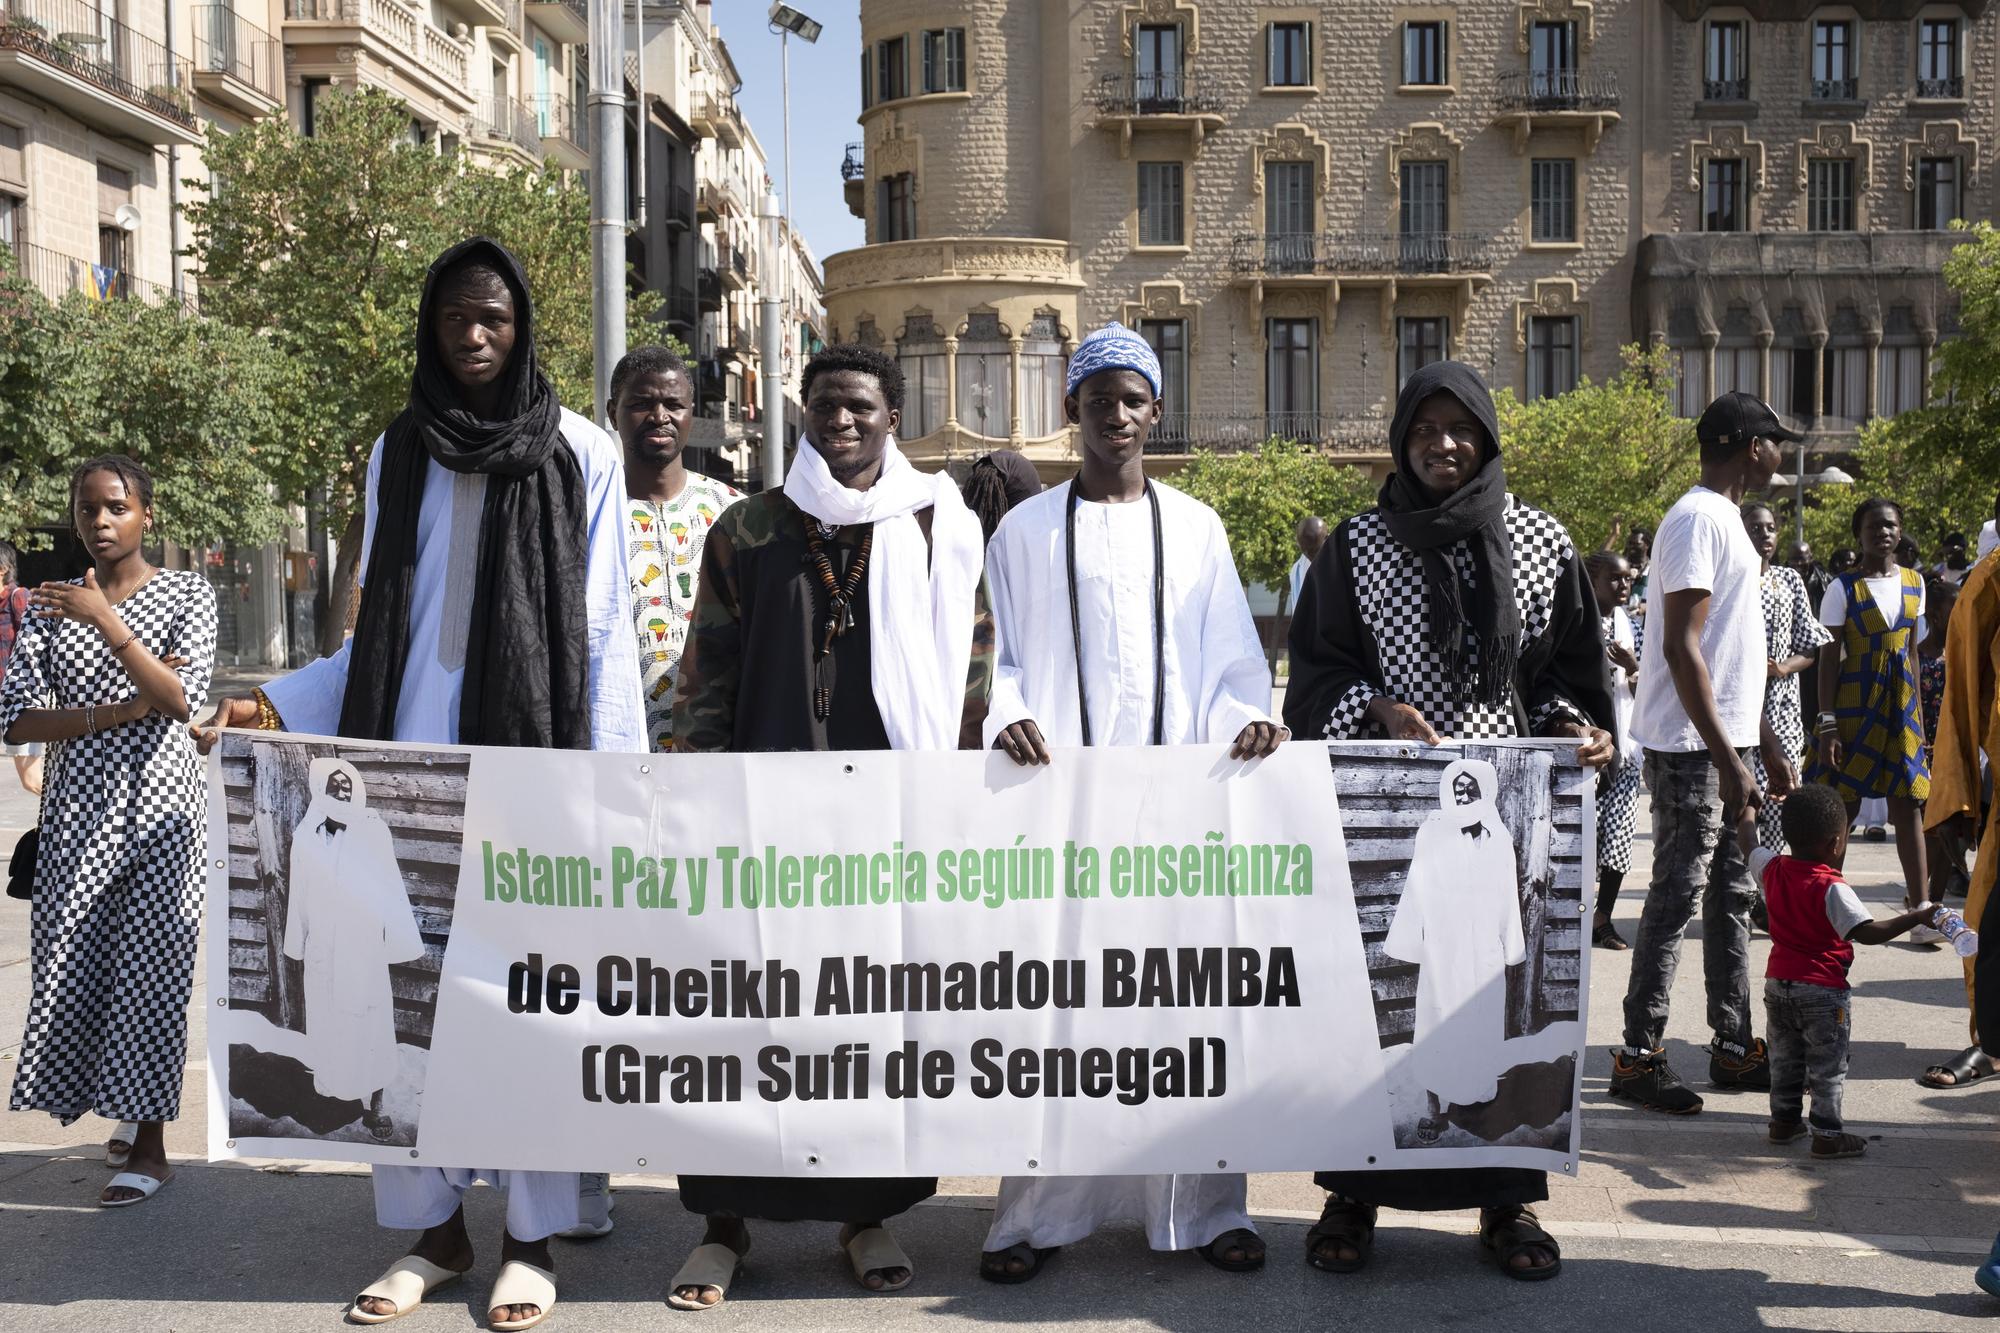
880 964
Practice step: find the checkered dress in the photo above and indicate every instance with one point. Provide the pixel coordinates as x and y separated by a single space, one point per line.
1389 596
1618 802
118 886
1791 628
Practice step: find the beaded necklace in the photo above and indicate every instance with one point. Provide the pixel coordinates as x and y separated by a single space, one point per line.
840 597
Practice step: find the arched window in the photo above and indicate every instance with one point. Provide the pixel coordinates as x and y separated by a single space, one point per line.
920 353
1042 369
985 376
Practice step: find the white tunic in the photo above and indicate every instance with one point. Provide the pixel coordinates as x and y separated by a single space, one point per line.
1217 683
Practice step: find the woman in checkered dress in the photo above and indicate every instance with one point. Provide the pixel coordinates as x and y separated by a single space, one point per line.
1618 799
1450 611
1793 637
106 672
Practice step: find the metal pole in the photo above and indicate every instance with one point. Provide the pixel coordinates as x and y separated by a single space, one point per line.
769 331
607 195
1799 501
645 114
785 98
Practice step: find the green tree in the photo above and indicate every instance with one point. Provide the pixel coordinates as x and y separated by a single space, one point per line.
1262 494
1942 462
1602 458
320 245
203 406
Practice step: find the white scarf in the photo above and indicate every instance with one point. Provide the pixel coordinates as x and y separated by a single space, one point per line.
922 632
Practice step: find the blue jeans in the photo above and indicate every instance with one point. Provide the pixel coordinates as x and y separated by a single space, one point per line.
1695 860
1807 1027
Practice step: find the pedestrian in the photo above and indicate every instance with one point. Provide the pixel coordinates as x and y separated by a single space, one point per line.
1639 554
841 612
1968 725
106 671
1816 920
1793 637
668 513
1617 807
998 480
1843 561
482 493
1699 714
1814 576
1118 550
1944 852
1989 532
1870 734
1450 611
1311 535
1953 563
13 615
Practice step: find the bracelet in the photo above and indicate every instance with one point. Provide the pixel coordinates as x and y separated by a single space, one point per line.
90 719
126 643
267 713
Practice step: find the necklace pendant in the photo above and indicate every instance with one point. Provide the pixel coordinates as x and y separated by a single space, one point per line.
846 617
826 531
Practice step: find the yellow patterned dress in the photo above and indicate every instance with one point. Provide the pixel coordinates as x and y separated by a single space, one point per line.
1877 702
663 544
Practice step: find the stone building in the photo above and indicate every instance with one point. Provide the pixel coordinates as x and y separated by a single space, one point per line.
1299 204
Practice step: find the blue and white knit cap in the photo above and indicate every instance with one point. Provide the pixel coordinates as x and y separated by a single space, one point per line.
1113 347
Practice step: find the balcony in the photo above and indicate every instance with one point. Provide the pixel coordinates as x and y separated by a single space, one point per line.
565 132
236 63
1128 102
1557 99
1181 433
393 33
69 54
504 25
1835 90
565 20
733 266
1725 90
854 180
1941 90
715 116
1362 255
708 288
679 203
501 124
56 275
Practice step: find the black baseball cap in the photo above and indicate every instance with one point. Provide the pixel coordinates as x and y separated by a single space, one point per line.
1737 418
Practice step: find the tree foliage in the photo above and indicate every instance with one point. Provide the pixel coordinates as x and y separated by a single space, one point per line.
1942 462
1602 458
1262 494
203 406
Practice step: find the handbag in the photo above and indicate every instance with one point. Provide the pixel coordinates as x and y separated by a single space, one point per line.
21 868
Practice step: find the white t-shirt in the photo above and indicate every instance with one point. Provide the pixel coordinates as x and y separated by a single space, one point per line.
1844 909
1886 589
1702 544
1988 539
1299 568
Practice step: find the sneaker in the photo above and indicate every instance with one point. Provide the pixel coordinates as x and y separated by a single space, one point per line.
1650 1081
1788 1131
1830 1146
1747 1073
1924 935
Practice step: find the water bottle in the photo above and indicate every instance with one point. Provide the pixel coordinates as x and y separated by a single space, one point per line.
1952 926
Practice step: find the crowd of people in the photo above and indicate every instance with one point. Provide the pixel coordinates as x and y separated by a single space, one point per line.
529 581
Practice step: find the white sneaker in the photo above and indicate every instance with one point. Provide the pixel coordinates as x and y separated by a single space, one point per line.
594 1205
1926 936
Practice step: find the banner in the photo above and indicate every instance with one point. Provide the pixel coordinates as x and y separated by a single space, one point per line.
882 964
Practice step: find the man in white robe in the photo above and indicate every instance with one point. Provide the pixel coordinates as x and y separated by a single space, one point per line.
1144 638
476 377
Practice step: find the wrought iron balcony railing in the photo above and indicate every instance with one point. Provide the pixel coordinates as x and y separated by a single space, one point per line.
559 118
508 121
1153 95
83 40
1281 254
855 164
1951 89
1725 90
1835 90
56 275
1186 432
227 43
1559 90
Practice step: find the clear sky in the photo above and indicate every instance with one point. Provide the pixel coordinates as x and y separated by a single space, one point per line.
826 97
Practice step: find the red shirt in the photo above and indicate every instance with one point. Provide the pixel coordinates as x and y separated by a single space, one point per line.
1809 922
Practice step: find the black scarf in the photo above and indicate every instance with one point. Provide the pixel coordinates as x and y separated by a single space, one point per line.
1477 512
527 670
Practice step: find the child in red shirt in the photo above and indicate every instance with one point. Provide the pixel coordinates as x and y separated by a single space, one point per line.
1816 920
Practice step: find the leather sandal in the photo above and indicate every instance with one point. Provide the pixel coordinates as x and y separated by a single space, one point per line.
1968 1067
993 1263
874 1250
1347 1223
1515 1230
711 1265
1242 1238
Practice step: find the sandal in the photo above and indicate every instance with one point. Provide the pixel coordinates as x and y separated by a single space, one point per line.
118 1148
522 1284
874 1250
1606 936
1242 1238
1347 1223
1966 1068
1430 1129
1507 1232
993 1263
405 1285
147 1186
711 1265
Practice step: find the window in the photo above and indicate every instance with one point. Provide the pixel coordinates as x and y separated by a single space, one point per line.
1844 385
1424 54
1551 355
1288 216
985 377
1552 200
309 92
1422 212
1722 194
1899 380
1168 339
944 60
1042 365
1289 62
1552 64
867 81
1419 342
1690 380
1937 192
1291 378
1158 57
892 69
114 243
1830 194
1937 59
1833 66
1160 216
920 354
896 208
1736 370
1725 73
13 186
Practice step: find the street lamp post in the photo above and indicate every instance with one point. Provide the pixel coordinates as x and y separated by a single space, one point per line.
785 21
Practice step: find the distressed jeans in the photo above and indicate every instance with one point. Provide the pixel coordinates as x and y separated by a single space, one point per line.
1807 1027
1695 860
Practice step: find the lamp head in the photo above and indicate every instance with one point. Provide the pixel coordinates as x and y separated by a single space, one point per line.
792 21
